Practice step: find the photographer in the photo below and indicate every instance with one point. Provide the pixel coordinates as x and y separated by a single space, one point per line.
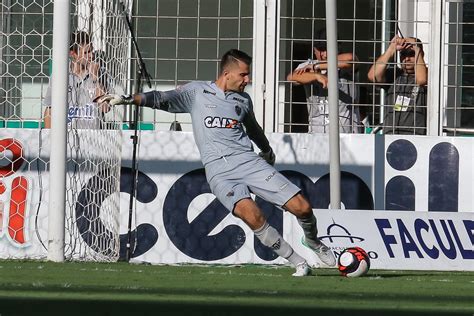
405 85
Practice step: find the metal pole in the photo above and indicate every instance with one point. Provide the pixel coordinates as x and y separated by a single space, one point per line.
57 174
333 93
383 47
142 73
436 78
258 60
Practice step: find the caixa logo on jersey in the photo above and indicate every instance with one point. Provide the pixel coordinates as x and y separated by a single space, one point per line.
338 238
220 122
14 206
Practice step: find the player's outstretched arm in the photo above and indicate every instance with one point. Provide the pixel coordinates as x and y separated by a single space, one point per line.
174 101
115 99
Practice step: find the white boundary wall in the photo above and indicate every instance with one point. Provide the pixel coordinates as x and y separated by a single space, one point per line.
179 222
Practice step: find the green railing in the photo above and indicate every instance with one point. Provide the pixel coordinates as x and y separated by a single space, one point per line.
35 125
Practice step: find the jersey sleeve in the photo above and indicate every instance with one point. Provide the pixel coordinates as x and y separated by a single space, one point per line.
304 64
254 130
179 100
47 98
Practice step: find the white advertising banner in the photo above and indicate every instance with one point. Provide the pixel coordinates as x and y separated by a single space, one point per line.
407 200
403 240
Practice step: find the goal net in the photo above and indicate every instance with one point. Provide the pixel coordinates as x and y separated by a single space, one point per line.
98 62
99 55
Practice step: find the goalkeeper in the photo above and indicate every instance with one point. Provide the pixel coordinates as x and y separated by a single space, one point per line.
220 110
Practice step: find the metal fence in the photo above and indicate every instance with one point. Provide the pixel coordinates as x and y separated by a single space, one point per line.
457 77
182 40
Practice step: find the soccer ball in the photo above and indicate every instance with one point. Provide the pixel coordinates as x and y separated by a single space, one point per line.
353 262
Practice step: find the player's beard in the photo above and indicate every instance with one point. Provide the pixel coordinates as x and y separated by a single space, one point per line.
238 88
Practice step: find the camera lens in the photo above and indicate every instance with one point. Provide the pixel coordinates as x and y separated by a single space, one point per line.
407 53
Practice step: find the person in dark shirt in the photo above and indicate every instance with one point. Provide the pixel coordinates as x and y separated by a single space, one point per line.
405 100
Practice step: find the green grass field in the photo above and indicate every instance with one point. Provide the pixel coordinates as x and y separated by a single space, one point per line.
44 288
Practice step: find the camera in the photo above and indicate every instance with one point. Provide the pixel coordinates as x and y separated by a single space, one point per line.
407 52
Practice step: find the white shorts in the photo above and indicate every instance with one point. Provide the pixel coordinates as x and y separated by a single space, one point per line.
236 177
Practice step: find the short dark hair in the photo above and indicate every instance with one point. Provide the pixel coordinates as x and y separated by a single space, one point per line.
320 42
78 38
232 56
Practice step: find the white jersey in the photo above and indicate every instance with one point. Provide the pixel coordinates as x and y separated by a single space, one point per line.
318 105
82 111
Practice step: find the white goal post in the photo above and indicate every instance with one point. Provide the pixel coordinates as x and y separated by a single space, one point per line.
57 196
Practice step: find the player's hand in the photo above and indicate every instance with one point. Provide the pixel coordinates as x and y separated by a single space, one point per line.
400 44
396 44
269 156
115 99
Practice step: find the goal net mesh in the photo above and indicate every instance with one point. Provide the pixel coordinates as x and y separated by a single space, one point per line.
98 64
99 46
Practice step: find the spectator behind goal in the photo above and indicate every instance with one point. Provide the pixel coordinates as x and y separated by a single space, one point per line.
83 86
405 85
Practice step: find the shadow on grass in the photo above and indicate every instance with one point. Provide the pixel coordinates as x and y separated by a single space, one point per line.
52 307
